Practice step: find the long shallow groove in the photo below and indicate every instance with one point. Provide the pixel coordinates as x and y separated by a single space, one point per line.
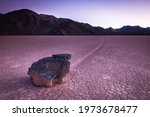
77 62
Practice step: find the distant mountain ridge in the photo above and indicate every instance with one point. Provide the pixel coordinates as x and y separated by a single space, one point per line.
27 22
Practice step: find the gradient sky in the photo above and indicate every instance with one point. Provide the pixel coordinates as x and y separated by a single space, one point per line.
104 13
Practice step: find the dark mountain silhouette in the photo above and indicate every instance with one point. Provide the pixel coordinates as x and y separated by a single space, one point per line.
148 28
27 22
136 30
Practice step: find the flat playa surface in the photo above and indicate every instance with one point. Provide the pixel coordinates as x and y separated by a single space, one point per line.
102 67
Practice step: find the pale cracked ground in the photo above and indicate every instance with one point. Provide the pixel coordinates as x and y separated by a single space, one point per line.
102 67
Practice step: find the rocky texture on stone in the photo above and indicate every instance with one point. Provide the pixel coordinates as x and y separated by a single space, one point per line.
50 70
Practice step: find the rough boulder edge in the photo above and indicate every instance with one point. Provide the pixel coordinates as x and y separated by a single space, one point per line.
50 70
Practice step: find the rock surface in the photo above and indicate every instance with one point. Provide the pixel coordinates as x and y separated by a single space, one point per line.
50 70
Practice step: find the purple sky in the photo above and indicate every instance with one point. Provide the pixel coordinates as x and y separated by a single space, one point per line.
104 13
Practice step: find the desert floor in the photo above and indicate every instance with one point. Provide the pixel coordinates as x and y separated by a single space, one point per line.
102 67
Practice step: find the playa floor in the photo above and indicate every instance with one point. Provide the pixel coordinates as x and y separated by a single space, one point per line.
102 67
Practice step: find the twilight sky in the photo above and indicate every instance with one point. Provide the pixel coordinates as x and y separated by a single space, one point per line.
104 13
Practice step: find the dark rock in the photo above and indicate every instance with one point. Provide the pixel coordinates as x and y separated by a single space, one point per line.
62 56
48 70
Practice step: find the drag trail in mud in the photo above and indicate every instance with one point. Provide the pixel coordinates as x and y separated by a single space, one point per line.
102 67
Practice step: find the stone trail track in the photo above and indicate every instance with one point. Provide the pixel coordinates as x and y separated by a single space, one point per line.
102 67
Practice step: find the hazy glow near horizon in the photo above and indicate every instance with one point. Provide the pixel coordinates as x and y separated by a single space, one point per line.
104 13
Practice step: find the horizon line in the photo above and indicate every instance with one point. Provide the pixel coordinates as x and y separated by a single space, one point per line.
76 20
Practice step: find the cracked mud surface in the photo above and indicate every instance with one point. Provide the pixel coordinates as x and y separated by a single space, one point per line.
102 67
